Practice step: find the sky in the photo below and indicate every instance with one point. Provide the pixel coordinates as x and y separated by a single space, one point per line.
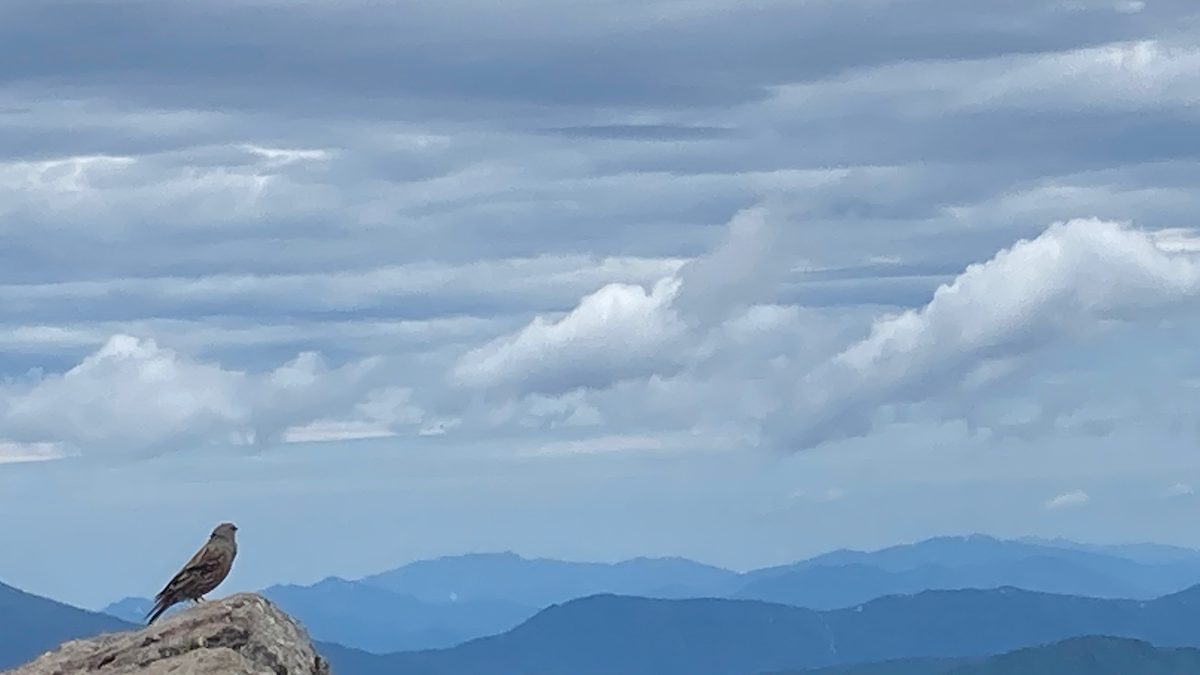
743 282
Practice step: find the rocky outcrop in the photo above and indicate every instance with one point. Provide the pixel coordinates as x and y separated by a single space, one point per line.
240 635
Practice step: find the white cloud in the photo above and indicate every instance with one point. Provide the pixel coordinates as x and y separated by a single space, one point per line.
1068 500
381 413
1062 285
323 431
1115 75
617 332
129 392
62 176
1179 490
276 157
15 453
110 194
1124 75
132 396
1177 240
626 330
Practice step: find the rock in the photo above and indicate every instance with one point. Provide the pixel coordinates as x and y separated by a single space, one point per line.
241 635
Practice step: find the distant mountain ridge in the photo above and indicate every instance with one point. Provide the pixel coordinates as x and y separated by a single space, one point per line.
376 620
619 635
30 625
930 633
1139 552
1134 562
445 601
624 634
541 581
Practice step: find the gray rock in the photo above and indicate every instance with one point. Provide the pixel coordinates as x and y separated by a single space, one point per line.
241 635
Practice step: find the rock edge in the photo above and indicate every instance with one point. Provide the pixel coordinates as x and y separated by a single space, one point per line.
243 634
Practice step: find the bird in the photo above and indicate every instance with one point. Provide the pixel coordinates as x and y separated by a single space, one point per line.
203 573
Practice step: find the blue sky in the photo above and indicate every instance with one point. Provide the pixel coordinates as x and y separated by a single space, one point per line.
742 282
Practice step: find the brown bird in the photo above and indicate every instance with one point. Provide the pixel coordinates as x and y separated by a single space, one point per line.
204 572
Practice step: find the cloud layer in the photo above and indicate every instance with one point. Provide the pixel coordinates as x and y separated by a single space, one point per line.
695 349
133 396
702 220
1061 286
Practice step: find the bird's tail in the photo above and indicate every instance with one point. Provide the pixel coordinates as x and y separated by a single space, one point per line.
160 605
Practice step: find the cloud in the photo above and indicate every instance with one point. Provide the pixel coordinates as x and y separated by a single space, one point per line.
623 331
379 415
617 332
1068 500
1063 285
537 54
748 262
15 453
134 397
700 348
525 283
1179 490
576 250
1118 75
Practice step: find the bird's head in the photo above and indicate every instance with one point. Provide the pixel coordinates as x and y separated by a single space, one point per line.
224 531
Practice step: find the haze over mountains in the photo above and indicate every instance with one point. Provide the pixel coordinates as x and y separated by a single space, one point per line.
446 601
607 635
966 605
539 582
933 632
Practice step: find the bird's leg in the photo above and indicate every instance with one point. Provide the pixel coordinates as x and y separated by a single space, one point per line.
199 599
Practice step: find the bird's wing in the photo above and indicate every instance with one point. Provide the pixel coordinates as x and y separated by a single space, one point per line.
203 564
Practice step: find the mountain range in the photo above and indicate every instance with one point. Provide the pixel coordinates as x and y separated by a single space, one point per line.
539 582
609 635
446 601
930 633
719 631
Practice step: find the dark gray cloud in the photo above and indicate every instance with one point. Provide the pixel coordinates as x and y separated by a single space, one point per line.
219 54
